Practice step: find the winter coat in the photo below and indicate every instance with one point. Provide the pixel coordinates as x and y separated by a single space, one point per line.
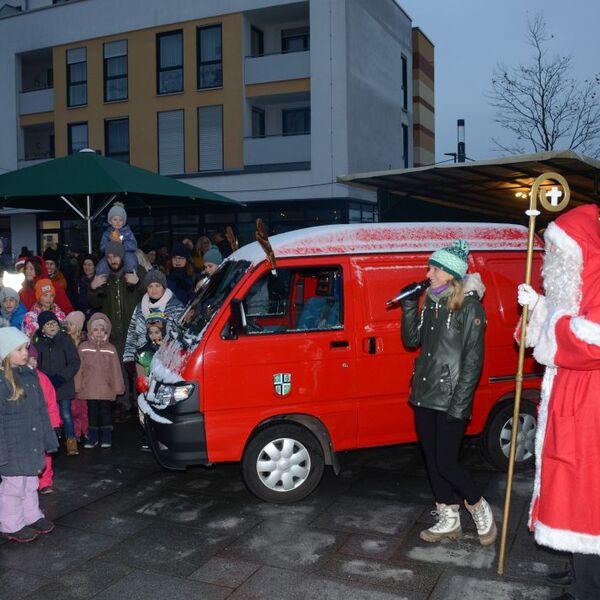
79 293
15 318
447 370
50 398
58 356
27 293
25 430
564 330
118 304
181 283
136 334
59 280
100 376
30 320
125 234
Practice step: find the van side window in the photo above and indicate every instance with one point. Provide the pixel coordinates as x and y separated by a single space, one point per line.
295 300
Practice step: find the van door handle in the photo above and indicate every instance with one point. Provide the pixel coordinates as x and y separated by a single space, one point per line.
339 344
372 345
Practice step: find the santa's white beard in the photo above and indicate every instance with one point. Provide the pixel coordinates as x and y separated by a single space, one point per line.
562 281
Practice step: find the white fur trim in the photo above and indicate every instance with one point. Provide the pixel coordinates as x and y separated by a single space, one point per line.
567 540
545 349
557 236
586 331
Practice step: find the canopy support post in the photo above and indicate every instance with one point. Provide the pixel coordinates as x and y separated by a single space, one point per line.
88 218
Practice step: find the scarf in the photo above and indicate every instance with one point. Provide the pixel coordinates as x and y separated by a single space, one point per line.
160 304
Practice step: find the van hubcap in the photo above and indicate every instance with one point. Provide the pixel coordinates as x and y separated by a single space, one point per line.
525 437
283 465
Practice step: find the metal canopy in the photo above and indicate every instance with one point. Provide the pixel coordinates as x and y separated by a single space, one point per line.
486 188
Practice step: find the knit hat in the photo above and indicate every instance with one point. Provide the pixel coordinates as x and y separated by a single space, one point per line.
180 249
213 256
84 257
453 260
50 254
43 286
117 210
8 292
45 317
10 339
155 276
115 248
77 318
156 316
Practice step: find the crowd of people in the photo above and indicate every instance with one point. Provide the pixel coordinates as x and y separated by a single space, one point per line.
72 340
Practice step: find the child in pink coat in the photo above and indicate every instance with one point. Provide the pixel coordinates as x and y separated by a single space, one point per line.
45 477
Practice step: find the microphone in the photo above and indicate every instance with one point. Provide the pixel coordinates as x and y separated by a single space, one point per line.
417 287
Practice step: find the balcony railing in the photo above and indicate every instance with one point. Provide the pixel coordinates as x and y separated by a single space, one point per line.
36 101
277 149
277 67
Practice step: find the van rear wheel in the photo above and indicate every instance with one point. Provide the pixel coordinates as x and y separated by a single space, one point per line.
283 463
496 437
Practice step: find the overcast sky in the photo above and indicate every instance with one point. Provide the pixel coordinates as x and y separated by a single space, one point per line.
472 36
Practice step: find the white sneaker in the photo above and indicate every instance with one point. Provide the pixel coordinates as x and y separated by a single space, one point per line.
448 525
484 521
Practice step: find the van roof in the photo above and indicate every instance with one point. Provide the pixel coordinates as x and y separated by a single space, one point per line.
369 238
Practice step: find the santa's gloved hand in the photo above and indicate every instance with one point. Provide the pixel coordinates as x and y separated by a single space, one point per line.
526 295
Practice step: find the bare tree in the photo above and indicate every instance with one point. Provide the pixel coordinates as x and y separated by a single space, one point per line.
542 104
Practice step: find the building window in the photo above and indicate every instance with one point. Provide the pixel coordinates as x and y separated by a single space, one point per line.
295 40
116 139
404 82
169 60
257 42
170 142
76 77
295 121
258 122
210 138
115 71
210 57
405 146
78 137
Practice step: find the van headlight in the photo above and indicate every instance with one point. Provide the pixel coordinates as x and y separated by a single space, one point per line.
172 393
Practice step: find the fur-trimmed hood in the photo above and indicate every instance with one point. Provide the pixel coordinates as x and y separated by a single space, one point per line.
473 283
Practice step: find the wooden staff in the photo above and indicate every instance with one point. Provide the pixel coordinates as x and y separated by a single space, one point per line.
551 205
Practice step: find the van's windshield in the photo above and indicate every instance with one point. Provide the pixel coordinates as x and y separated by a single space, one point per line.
210 297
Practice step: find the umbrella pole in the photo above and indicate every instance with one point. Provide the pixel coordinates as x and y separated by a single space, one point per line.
88 219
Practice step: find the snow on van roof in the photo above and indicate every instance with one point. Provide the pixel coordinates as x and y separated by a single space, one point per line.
369 238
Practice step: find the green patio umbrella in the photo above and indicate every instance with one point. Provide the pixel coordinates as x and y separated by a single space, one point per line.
88 183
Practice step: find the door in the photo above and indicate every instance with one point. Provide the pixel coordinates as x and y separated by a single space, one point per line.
296 355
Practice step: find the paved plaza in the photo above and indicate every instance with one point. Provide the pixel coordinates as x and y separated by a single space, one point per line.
126 529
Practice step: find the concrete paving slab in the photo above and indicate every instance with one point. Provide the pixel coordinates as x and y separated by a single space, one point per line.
153 586
228 572
166 548
472 588
15 584
269 583
371 546
362 515
286 545
119 525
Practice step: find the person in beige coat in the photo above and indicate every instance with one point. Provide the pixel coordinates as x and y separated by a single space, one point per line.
99 380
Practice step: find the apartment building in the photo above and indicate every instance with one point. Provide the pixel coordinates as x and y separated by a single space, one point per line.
264 101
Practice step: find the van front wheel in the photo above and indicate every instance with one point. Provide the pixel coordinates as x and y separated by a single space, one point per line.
283 463
496 437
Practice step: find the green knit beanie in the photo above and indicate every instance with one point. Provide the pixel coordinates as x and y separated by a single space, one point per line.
453 260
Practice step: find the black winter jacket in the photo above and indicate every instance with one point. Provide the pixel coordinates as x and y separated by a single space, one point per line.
25 429
447 370
58 356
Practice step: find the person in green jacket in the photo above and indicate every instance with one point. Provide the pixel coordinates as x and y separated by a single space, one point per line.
449 329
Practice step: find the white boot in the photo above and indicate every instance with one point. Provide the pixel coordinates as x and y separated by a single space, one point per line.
448 525
484 521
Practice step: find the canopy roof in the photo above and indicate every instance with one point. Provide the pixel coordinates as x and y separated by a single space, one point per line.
89 174
486 188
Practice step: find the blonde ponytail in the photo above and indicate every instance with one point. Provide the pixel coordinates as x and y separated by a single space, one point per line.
17 389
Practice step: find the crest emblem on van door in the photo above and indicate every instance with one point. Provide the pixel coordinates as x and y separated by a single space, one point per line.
282 382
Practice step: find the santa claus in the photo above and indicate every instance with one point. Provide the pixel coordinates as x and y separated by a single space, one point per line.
564 330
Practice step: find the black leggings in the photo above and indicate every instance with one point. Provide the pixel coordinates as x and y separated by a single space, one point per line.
441 441
99 413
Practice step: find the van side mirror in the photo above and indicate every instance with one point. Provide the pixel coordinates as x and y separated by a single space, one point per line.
238 318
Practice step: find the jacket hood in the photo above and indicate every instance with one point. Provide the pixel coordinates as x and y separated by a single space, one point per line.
473 283
102 317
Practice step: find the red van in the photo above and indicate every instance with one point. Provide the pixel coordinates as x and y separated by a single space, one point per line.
283 369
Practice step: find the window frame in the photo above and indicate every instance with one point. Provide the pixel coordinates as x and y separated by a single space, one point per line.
160 70
158 116
222 167
287 111
404 75
260 112
70 81
116 156
70 136
302 33
405 145
108 78
260 37
200 63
